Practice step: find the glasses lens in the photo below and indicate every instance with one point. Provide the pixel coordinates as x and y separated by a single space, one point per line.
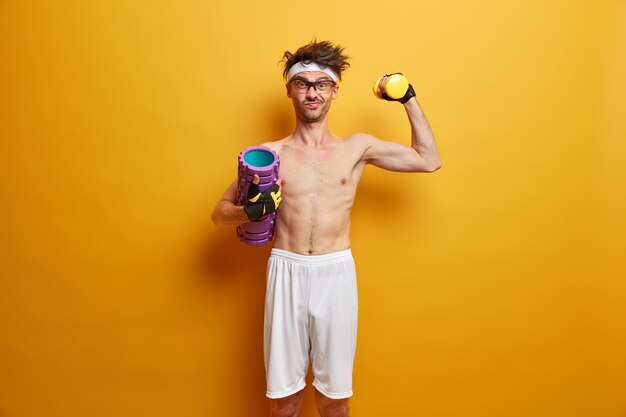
300 85
322 86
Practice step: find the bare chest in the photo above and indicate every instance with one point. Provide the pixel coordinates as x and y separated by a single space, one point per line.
316 172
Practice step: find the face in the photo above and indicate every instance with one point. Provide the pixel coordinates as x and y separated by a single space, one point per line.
311 105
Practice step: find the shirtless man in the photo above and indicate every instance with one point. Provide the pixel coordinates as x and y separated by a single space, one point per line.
311 297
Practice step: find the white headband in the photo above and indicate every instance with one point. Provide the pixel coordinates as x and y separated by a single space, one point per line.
299 67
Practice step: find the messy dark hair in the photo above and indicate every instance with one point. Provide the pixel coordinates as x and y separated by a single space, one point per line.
324 53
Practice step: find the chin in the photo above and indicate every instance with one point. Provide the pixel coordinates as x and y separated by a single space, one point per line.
311 117
314 119
314 116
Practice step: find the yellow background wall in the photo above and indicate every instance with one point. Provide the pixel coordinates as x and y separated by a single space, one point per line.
494 287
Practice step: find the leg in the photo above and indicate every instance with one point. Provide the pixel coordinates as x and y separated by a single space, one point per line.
333 321
331 408
288 406
286 342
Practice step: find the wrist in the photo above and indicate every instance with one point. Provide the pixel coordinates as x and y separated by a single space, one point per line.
410 93
248 213
242 215
414 110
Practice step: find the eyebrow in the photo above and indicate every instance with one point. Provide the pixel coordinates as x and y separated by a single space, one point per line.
314 81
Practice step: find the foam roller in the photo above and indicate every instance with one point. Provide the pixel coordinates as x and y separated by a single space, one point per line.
264 162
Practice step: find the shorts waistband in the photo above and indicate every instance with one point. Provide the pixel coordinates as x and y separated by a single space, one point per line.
327 258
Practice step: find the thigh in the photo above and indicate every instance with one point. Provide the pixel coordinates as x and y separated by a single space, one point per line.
286 340
333 328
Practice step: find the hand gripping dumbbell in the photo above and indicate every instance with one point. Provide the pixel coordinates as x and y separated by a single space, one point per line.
263 162
393 87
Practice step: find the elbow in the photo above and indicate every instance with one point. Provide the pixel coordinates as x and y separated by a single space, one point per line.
216 218
434 166
430 165
430 162
224 215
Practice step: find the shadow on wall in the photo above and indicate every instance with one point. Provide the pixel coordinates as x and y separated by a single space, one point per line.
279 120
230 271
376 201
226 268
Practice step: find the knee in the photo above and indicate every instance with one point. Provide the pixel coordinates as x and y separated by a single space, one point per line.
334 411
333 408
286 407
284 410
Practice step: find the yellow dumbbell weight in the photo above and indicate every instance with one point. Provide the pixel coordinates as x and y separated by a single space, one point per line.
394 85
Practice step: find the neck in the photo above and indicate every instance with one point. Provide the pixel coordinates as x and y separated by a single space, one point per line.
312 133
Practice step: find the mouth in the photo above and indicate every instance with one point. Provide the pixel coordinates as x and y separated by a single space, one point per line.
312 103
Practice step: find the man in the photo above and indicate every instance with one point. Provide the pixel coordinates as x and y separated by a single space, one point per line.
311 298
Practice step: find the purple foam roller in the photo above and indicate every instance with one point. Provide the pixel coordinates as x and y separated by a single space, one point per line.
264 162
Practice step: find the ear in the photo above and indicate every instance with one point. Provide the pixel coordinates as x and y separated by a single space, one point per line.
335 92
288 88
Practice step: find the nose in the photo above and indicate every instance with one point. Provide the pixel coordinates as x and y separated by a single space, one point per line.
311 92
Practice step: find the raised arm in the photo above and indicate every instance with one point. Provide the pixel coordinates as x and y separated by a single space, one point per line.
421 156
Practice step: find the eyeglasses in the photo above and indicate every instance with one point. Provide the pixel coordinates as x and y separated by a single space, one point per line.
321 86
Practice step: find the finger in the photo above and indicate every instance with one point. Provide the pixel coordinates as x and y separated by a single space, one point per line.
279 182
256 179
381 85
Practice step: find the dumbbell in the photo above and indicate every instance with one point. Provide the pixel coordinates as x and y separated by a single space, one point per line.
393 87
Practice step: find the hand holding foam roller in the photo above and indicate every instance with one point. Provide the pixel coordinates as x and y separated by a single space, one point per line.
258 180
262 203
393 87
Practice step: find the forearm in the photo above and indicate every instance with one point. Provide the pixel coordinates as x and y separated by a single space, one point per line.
226 213
422 138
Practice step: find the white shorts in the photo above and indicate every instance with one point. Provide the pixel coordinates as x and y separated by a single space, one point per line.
310 311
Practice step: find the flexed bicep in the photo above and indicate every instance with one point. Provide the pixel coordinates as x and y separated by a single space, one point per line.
393 156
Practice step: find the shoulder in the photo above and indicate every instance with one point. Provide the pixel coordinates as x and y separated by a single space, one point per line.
276 145
360 144
361 140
